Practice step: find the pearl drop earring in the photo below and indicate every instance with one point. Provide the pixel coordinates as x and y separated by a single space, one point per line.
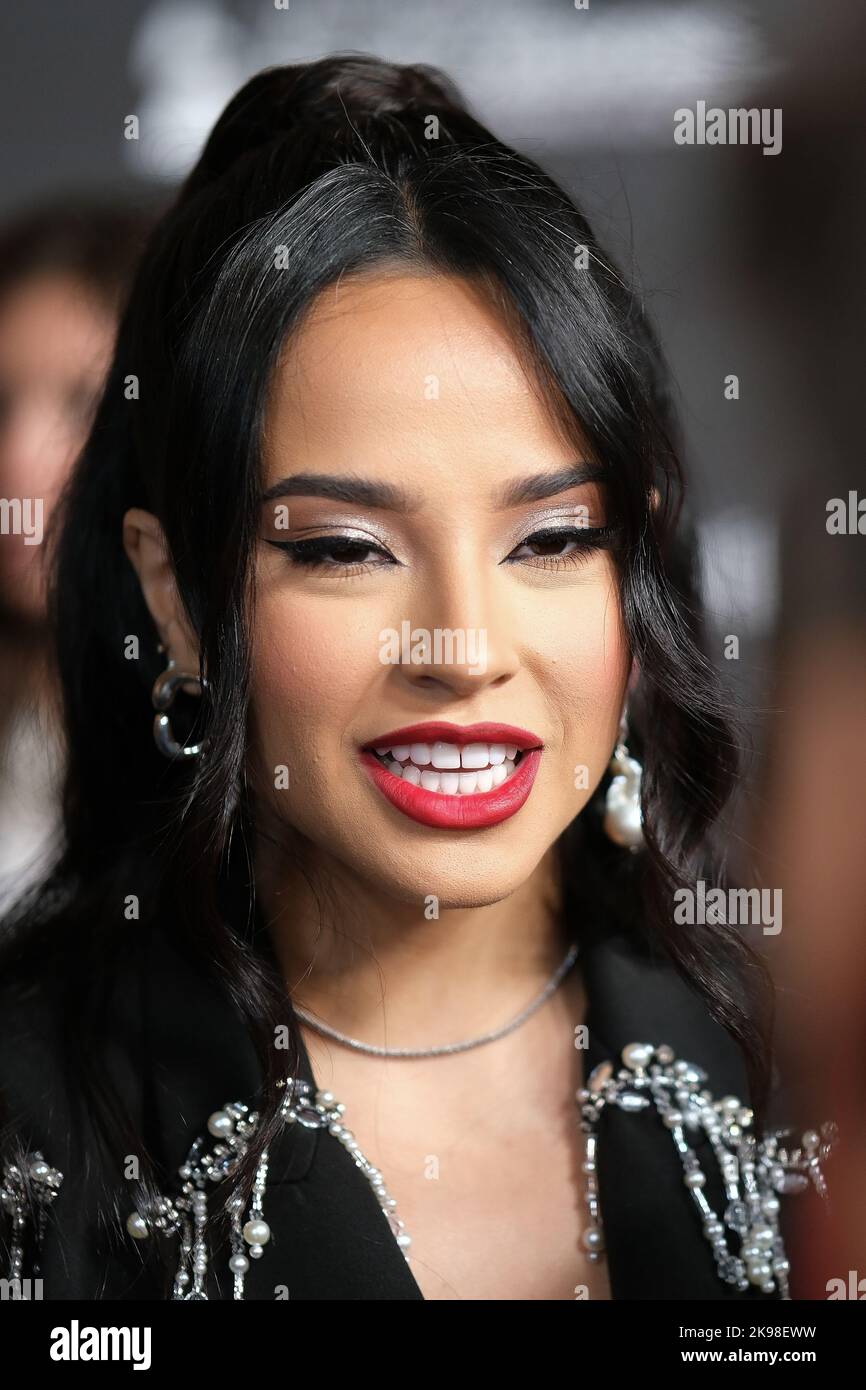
623 821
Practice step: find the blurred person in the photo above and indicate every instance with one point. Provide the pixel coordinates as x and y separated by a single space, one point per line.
64 272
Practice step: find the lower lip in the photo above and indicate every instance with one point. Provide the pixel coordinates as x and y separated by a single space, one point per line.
445 812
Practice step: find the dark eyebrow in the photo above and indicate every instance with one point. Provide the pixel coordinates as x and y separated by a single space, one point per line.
361 492
541 485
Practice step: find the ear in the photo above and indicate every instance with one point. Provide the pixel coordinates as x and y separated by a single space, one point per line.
146 547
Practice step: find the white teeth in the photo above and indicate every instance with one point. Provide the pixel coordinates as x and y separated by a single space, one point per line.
445 755
450 768
475 755
449 757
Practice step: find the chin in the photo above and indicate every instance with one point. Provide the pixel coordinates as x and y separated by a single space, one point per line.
468 877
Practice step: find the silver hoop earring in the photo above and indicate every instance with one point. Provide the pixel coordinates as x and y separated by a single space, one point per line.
623 821
165 687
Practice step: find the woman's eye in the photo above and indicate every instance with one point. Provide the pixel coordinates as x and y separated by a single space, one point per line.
334 553
561 545
346 555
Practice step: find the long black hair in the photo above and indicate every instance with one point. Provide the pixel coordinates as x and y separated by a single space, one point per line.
313 171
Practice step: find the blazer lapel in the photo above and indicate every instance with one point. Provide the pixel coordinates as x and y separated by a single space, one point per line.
655 1245
336 1242
330 1239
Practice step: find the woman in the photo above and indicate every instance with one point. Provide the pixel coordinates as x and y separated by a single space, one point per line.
65 267
381 511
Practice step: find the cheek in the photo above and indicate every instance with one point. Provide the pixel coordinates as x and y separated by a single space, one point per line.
311 665
583 644
596 657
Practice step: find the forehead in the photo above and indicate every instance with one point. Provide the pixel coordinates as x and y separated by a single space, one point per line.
397 365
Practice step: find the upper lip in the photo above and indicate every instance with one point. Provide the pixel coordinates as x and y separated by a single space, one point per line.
440 731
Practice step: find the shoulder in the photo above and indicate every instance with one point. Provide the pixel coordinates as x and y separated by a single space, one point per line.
94 1099
36 1123
32 1096
74 1102
694 1191
636 994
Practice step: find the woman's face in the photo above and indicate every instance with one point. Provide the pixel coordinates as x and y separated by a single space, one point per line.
55 348
402 585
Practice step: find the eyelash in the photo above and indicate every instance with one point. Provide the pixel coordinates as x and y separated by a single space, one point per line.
310 554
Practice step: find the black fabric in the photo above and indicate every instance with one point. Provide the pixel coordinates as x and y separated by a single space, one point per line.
181 1053
656 1248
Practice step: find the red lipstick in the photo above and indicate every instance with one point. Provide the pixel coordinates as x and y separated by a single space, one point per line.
449 811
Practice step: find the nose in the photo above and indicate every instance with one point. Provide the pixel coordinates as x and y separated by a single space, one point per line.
461 637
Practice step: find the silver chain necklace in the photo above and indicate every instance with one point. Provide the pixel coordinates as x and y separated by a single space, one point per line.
446 1048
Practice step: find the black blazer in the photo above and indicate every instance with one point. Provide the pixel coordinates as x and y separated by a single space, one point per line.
180 1054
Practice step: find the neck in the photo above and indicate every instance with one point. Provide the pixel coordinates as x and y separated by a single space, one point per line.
380 970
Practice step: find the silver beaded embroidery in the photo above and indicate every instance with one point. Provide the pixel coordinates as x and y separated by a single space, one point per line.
44 1183
233 1128
754 1174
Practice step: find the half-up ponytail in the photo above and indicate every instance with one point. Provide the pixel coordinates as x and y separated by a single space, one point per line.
318 103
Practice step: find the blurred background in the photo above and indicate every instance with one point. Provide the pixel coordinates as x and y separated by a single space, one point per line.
750 264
